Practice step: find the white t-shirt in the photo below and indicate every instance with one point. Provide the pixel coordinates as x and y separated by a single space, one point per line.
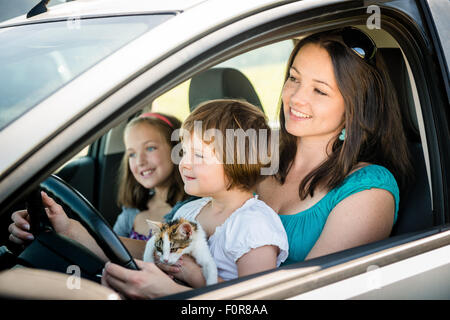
253 225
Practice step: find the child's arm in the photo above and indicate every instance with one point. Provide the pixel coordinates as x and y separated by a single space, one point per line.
257 260
254 261
186 270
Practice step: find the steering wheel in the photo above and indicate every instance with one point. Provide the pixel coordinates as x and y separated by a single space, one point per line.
55 252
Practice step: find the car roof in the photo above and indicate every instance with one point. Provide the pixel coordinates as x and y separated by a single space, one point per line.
84 8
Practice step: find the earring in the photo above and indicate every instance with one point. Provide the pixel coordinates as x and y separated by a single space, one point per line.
151 192
342 135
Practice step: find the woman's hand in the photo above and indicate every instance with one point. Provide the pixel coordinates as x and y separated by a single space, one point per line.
147 283
61 223
19 229
186 270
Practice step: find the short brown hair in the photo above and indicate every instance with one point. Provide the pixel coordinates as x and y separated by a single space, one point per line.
244 171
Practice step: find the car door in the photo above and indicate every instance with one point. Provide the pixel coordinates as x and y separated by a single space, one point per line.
430 96
420 45
422 249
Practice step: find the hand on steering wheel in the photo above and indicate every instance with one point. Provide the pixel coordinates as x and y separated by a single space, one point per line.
53 247
21 230
92 220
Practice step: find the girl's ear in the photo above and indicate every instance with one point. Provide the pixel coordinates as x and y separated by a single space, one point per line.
155 226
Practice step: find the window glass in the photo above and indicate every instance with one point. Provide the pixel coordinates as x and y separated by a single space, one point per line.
37 59
264 67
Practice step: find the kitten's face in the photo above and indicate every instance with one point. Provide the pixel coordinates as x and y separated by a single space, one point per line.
172 239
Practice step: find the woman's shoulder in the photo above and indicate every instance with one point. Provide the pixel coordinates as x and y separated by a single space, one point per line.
370 173
365 178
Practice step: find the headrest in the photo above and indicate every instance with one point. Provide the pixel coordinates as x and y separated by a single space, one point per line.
397 71
415 211
221 83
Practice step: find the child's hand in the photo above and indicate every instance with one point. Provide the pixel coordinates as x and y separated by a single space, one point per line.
167 268
189 271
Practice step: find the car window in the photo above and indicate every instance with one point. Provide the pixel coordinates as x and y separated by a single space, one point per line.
264 67
37 59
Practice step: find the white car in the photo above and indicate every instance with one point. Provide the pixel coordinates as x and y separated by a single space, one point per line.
71 77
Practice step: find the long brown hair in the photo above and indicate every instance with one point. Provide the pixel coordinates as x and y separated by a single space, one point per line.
373 126
131 193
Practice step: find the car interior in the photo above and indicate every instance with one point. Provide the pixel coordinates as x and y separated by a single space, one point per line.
228 82
104 156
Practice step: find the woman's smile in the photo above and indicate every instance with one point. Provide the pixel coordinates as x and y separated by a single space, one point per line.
297 115
311 93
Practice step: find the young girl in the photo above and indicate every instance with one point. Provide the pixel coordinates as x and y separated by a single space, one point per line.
245 235
149 186
149 183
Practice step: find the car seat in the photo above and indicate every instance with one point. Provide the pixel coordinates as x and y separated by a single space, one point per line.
221 83
415 211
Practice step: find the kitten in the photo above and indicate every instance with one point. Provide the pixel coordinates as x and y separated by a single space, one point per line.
171 240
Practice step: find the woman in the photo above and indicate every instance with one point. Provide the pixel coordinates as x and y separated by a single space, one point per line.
342 147
342 152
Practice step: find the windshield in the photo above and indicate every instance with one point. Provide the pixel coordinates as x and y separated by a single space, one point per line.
38 59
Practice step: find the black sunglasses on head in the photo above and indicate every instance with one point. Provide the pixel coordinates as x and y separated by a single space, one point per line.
360 43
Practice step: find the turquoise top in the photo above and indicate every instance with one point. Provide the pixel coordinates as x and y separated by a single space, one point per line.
304 228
